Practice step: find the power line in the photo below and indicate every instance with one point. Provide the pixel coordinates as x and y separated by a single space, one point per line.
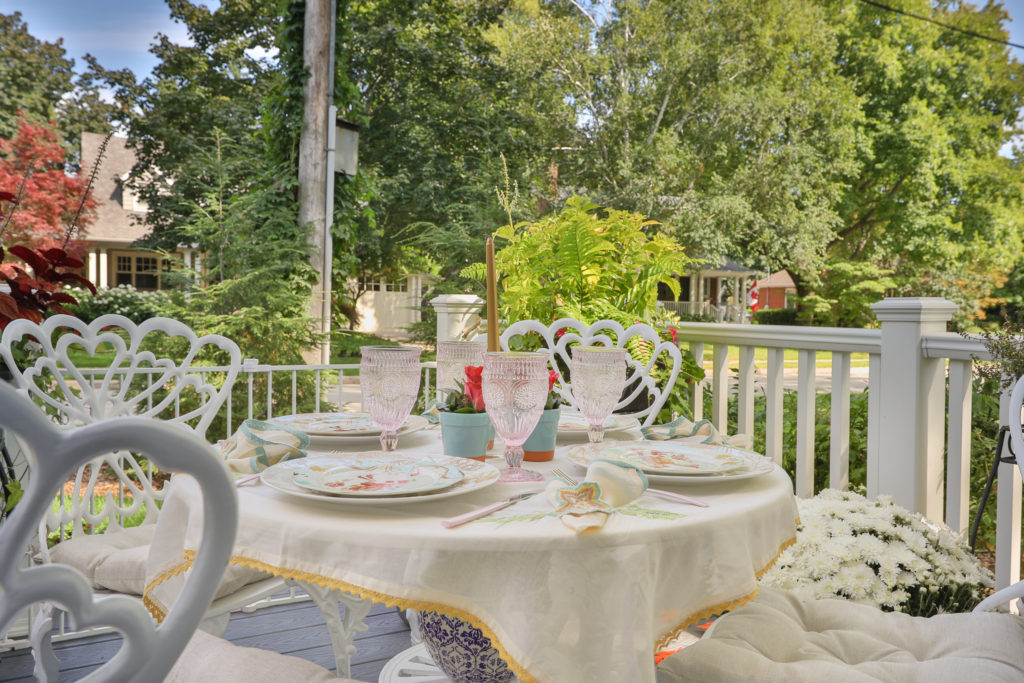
939 23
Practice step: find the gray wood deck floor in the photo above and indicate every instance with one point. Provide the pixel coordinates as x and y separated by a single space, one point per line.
295 629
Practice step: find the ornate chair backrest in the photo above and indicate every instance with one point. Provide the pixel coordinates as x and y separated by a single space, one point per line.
136 382
645 348
148 651
1016 590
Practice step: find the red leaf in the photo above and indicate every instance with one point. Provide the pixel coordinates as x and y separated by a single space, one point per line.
8 306
64 298
31 314
7 197
59 257
75 277
31 257
57 308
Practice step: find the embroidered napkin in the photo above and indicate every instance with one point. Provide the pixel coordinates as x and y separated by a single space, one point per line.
257 445
433 412
608 485
701 431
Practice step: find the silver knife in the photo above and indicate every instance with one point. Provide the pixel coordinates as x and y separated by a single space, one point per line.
485 510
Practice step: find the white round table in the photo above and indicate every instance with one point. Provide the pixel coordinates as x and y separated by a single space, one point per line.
559 607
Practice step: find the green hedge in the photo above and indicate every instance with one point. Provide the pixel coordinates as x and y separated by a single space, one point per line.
775 316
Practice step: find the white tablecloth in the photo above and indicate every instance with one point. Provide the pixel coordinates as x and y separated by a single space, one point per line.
559 607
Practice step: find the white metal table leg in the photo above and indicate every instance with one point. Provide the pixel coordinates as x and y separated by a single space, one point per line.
342 630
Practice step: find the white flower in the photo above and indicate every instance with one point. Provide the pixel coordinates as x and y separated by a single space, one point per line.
873 552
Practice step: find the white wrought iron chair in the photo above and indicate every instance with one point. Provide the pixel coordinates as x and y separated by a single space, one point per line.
138 383
565 331
149 652
779 637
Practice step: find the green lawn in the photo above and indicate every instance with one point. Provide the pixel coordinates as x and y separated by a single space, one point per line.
790 357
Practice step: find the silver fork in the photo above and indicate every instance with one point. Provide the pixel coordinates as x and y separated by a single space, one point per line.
667 495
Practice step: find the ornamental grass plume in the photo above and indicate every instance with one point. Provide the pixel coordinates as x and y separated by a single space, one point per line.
878 553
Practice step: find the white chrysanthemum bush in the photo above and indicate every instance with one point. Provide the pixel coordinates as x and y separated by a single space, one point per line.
877 553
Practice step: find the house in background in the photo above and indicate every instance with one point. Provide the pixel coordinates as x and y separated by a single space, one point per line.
718 293
775 291
112 258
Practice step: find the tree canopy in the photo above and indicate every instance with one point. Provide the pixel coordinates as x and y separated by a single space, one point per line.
833 138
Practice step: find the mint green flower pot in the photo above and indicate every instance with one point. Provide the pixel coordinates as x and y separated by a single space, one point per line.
540 446
466 435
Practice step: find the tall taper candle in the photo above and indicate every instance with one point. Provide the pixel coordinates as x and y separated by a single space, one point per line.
492 299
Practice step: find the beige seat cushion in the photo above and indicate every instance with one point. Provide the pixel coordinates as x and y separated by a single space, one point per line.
779 637
116 561
211 659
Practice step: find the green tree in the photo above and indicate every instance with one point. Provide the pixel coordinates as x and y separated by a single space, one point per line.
437 113
33 75
932 201
726 121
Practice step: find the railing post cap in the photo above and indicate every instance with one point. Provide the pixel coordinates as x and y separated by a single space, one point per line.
456 301
914 309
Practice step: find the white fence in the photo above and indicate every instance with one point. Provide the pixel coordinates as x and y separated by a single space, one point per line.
726 313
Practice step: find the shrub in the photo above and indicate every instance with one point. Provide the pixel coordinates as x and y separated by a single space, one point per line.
775 316
124 300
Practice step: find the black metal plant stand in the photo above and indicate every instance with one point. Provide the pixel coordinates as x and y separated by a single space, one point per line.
6 473
1011 459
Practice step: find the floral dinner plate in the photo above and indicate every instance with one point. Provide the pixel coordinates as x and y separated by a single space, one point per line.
476 475
664 461
375 476
344 424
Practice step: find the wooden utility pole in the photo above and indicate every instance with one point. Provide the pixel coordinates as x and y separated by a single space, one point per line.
313 171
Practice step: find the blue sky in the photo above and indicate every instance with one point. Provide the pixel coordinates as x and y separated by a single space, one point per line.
119 32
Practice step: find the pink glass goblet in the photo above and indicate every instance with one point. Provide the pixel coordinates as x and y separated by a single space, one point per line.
598 377
452 359
515 386
389 377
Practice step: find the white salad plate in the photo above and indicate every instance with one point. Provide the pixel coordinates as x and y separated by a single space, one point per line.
476 475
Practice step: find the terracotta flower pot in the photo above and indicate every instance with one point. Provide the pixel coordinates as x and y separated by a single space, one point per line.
540 446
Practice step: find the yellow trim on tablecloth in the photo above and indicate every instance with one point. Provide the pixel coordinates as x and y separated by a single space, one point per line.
389 600
720 607
426 606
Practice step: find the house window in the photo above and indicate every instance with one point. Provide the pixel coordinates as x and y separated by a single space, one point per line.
402 286
142 271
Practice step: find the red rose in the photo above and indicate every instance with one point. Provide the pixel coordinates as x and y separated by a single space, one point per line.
675 338
474 373
558 335
552 378
475 392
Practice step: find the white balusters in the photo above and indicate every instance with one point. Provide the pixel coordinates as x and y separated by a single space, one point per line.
958 447
720 388
805 396
745 412
839 446
774 404
697 349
